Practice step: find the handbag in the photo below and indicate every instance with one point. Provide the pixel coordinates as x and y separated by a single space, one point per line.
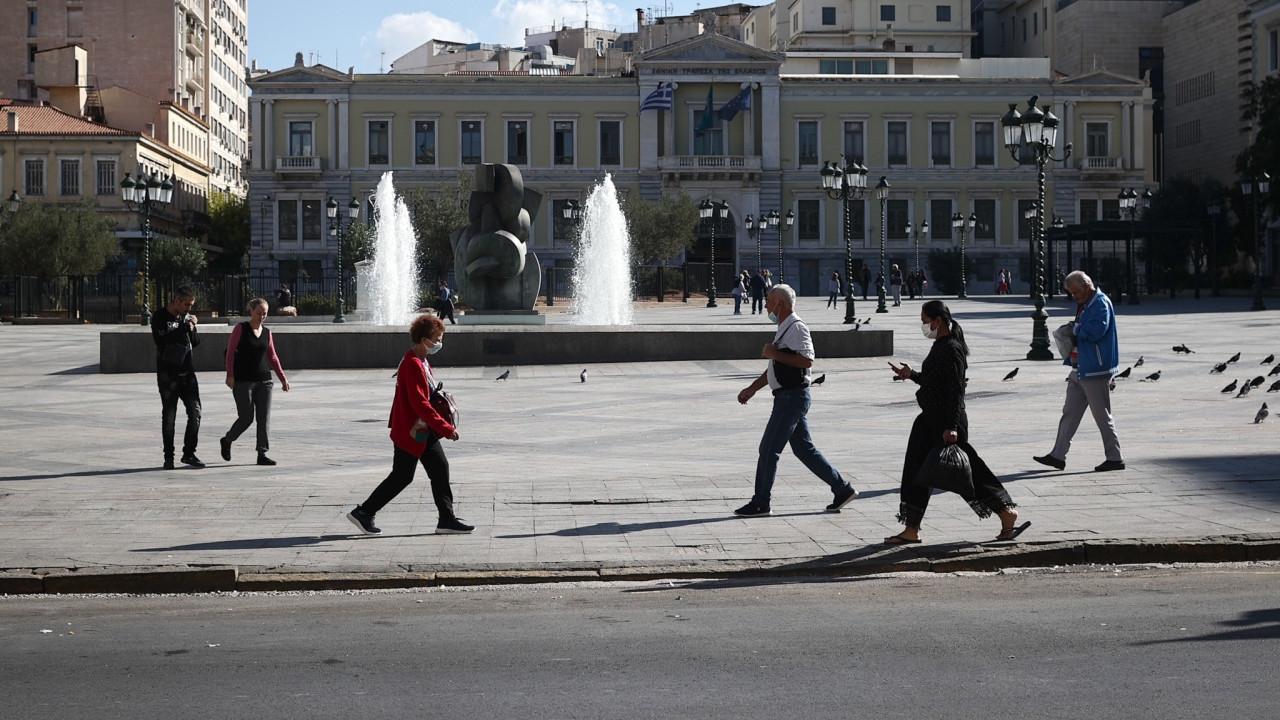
445 406
946 467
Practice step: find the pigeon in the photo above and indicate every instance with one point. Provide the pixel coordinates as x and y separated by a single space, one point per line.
1234 358
1153 377
1012 374
1274 371
1262 414
504 375
1231 387
819 380
1182 349
1218 369
1257 381
1275 387
1124 374
583 376
1244 390
1112 385
1141 360
1267 360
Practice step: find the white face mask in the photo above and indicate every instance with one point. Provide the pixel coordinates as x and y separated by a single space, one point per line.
927 330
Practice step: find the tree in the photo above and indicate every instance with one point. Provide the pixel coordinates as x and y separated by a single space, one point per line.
944 270
660 230
45 239
357 244
177 260
229 227
437 211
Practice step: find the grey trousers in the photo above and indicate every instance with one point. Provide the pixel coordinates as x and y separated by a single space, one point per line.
253 401
1094 395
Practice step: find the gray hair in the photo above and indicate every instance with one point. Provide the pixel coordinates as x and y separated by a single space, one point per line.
787 292
1078 278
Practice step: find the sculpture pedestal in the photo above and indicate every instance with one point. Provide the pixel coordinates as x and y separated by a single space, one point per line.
502 317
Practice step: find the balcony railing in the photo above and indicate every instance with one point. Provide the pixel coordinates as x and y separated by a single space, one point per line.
298 164
1100 163
709 162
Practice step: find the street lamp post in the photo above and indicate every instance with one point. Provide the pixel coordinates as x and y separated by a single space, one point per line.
1036 131
1058 226
572 214
713 210
1215 209
1130 205
786 224
13 203
142 196
913 231
771 220
753 232
1256 186
335 227
963 225
882 194
849 183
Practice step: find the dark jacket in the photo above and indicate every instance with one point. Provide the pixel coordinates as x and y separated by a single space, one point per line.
941 381
757 286
166 330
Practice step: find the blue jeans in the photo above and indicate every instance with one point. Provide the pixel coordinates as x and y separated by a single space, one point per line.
787 424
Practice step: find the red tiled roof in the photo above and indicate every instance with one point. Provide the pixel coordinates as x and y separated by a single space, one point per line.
46 120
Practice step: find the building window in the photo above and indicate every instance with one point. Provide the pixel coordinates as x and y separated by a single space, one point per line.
896 147
985 227
857 219
379 142
518 142
106 177
871 67
287 223
311 214
34 177
940 143
424 142
75 22
1024 29
984 143
828 16
809 219
300 139
854 142
940 219
472 142
610 142
706 142
1088 210
944 13
69 177
807 141
562 131
1096 144
1035 24
835 67
888 13
31 59
32 17
897 215
1273 50
1110 209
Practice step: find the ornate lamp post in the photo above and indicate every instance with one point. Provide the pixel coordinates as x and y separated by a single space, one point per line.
882 194
713 210
753 232
845 185
1255 186
1130 205
771 220
335 227
141 196
963 225
1058 226
1035 131
1215 209
572 214
913 232
786 224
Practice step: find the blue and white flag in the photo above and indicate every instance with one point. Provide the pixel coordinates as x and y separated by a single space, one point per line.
659 99
741 101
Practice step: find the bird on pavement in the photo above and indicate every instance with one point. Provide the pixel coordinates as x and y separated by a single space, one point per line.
1234 358
1275 387
1267 360
1244 390
504 375
1012 374
1231 387
1262 414
1124 374
820 379
1274 371
583 376
1112 385
1182 349
1218 369
1141 360
1257 381
1153 377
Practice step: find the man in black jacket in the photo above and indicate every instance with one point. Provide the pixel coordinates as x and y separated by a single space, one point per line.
174 330
757 292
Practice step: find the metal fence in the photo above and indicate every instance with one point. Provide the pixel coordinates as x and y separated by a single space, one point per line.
661 283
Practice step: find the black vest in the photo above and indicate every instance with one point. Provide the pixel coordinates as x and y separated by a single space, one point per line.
251 355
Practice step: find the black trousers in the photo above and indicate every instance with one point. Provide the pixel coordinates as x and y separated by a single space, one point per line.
175 387
403 466
253 400
989 495
445 310
757 303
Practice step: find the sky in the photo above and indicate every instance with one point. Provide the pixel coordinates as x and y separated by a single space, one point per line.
370 34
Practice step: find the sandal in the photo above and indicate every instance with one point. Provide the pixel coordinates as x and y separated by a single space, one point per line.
899 540
1012 532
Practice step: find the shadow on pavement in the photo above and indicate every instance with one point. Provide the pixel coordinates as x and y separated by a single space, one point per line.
273 542
85 473
614 528
93 369
1253 625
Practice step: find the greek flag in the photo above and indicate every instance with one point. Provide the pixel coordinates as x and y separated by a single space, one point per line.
659 99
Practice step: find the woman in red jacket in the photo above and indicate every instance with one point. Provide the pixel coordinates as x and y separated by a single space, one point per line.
410 410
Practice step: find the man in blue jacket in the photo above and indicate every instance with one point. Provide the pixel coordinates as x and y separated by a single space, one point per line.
1095 360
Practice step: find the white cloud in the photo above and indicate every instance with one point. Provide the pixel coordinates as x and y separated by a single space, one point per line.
513 17
398 34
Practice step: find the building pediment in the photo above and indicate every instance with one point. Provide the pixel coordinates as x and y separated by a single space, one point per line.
714 50
1098 78
302 74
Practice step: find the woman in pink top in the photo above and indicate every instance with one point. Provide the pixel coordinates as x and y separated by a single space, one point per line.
251 356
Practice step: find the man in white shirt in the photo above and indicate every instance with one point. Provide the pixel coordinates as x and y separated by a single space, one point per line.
790 359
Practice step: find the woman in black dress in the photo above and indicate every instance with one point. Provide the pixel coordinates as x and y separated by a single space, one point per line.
942 420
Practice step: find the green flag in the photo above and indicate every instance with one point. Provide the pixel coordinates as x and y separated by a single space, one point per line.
708 114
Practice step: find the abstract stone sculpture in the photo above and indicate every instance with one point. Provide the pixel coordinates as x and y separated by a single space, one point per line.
493 267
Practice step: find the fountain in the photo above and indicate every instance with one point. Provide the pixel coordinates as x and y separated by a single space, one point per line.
602 283
393 275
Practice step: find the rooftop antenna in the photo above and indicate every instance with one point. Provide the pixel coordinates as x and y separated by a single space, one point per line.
586 13
381 56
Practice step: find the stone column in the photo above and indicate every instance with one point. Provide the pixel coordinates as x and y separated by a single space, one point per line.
1126 135
648 134
749 125
268 135
344 134
1138 114
770 125
332 131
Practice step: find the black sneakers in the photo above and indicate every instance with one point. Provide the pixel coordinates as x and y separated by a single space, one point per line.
1051 461
1110 465
264 460
843 497
168 463
364 521
226 448
453 527
192 460
752 510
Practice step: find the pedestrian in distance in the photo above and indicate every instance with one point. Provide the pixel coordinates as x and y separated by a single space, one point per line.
909 279
895 284
251 358
284 301
943 421
739 291
416 431
833 289
866 280
922 281
444 302
1002 283
1095 359
790 358
757 292
173 328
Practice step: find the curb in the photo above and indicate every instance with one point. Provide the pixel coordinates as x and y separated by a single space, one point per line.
873 560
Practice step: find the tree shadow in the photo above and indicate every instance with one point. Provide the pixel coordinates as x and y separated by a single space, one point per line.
1253 625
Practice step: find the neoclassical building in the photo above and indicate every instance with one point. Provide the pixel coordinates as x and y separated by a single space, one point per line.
927 120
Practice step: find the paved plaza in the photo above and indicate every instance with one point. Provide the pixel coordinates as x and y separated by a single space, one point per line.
642 465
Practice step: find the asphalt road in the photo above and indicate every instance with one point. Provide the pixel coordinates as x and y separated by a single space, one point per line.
1083 643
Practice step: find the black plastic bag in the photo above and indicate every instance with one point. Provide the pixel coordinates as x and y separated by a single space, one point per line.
946 467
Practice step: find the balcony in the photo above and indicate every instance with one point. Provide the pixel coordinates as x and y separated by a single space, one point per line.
195 43
1101 162
193 80
299 165
734 168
